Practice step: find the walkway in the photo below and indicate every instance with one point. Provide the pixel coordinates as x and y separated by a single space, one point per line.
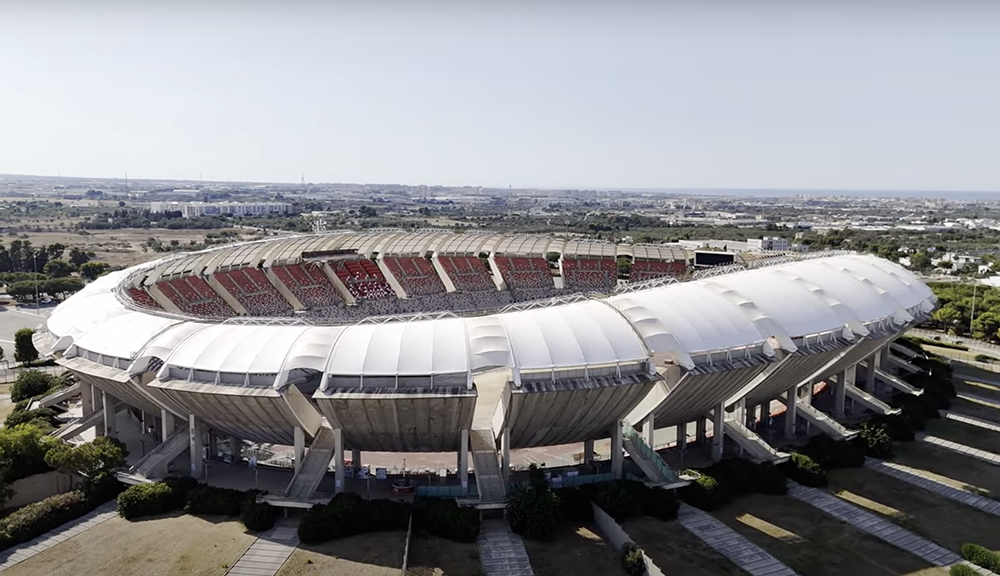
988 457
18 554
977 422
268 552
501 552
874 525
730 544
921 479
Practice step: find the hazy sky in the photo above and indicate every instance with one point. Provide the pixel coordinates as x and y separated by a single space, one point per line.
711 94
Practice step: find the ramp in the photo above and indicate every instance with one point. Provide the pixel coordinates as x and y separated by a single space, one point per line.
904 351
314 466
897 383
655 469
755 446
56 397
904 364
489 478
78 426
868 401
154 464
824 423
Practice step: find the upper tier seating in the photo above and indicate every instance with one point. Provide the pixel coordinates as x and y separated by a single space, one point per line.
254 291
649 269
522 273
363 279
590 273
194 296
416 275
142 298
309 284
467 273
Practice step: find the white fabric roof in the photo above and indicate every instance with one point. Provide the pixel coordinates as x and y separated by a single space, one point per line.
401 348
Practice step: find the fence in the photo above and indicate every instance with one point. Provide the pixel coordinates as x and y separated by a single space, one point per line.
617 537
8 375
944 337
450 491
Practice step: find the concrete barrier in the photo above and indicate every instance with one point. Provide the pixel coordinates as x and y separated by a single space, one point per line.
406 546
617 537
39 487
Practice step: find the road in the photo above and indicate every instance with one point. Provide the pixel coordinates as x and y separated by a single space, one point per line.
13 319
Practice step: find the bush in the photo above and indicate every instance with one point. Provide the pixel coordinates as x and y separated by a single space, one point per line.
804 470
204 500
899 426
875 440
981 556
257 516
745 477
532 509
44 418
706 493
22 452
31 383
621 499
632 559
445 518
962 570
38 518
349 514
833 454
575 503
143 500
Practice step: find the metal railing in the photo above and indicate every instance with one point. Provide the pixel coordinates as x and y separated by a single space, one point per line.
647 453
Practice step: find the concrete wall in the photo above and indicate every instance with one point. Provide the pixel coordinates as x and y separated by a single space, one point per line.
406 546
617 537
39 487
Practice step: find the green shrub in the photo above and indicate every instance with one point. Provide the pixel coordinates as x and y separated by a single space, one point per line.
22 451
833 454
962 570
445 518
899 426
804 470
621 499
532 509
632 559
32 383
38 518
875 440
985 358
706 493
575 503
204 500
742 476
257 516
143 500
981 556
661 504
44 418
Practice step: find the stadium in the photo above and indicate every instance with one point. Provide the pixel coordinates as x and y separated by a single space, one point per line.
393 341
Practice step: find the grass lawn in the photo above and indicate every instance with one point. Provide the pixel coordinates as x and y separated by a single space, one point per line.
433 556
676 550
814 543
959 470
164 546
965 434
375 554
577 549
6 407
943 521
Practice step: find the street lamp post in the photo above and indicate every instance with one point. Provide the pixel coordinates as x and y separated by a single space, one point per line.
34 269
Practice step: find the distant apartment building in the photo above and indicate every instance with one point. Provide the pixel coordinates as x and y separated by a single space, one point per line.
196 209
768 244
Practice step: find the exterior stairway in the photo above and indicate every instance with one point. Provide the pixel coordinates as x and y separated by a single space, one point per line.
314 466
76 427
904 364
56 397
904 351
897 383
824 423
489 478
154 464
868 401
501 552
655 469
752 444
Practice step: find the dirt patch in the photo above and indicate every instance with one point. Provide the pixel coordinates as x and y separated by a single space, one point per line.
375 554
962 471
433 556
815 543
167 546
676 550
577 549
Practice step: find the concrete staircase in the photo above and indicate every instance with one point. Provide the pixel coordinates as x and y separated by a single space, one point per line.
756 448
896 360
56 397
903 351
314 466
501 552
868 401
154 464
897 383
655 469
78 426
489 478
824 423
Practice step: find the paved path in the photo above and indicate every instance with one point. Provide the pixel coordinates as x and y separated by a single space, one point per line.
874 525
730 544
923 480
988 457
268 552
18 554
979 399
977 422
501 552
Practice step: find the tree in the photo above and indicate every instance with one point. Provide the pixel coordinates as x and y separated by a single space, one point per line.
91 270
78 257
920 261
22 451
31 383
58 268
24 348
93 460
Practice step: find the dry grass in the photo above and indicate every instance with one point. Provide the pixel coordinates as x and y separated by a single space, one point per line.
6 407
167 546
433 556
961 471
814 543
578 549
965 434
675 550
375 554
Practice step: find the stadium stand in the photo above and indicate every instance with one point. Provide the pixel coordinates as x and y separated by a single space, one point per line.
415 275
194 296
363 279
467 273
649 269
142 298
521 273
309 284
254 291
589 273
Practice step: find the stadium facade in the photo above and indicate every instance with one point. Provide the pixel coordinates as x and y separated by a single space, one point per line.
275 342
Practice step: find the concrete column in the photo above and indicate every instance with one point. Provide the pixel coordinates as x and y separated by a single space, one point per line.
870 373
299 452
718 432
110 422
505 454
195 429
166 424
682 436
617 451
588 452
213 445
338 460
463 459
649 431
149 425
236 449
86 397
883 358
356 458
840 395
701 431
791 412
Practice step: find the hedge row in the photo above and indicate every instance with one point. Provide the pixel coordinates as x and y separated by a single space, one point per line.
185 493
981 556
350 514
914 342
962 570
722 482
621 499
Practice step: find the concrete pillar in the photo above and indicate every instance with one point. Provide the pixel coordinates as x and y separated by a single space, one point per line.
840 395
338 460
505 454
588 452
299 450
682 436
236 449
463 459
149 425
213 445
617 451
195 429
718 432
86 397
807 398
166 424
870 373
701 431
356 458
649 431
110 422
791 412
